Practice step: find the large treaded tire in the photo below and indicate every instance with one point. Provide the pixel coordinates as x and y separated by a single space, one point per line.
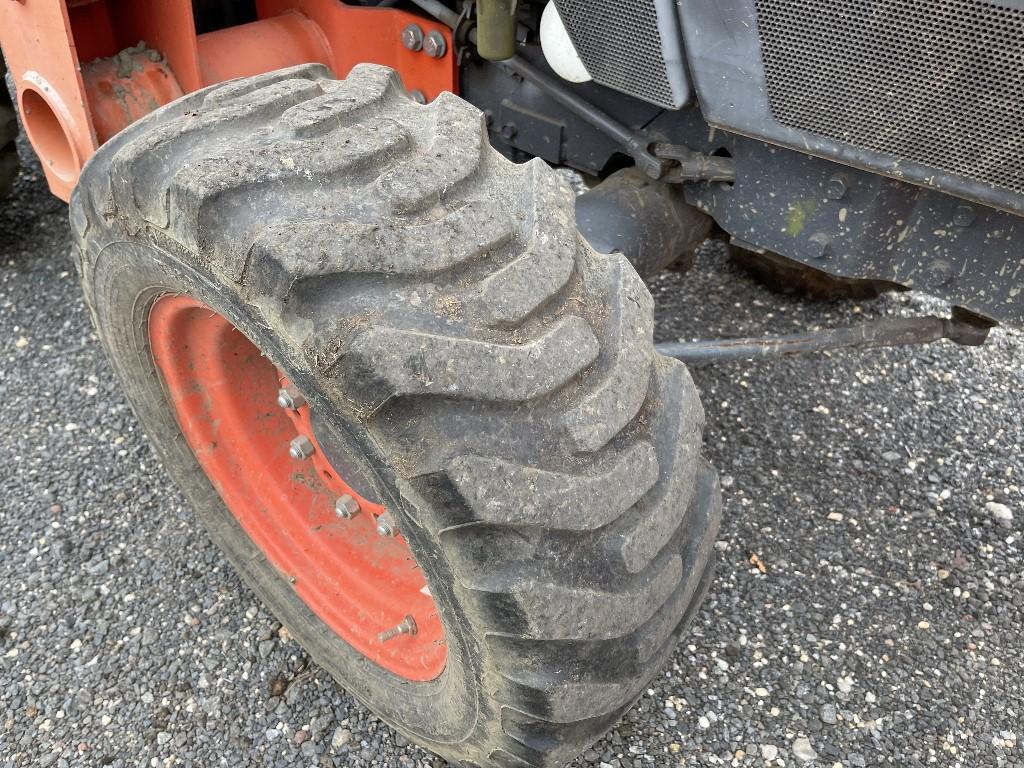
436 302
8 136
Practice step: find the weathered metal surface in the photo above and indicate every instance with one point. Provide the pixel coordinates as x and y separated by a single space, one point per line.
877 333
120 89
724 48
648 222
844 221
858 224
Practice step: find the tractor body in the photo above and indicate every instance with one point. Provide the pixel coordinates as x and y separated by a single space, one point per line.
877 141
424 418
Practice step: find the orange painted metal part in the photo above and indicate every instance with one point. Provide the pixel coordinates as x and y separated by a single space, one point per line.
166 26
358 582
126 87
42 58
248 49
48 44
357 35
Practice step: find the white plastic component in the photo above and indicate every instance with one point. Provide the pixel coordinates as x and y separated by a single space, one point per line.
558 48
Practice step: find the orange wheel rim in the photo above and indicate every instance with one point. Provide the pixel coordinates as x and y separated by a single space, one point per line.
363 585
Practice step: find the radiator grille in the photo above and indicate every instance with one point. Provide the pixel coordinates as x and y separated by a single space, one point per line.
936 82
620 44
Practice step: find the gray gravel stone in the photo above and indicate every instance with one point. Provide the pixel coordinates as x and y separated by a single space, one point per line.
1000 512
341 737
803 751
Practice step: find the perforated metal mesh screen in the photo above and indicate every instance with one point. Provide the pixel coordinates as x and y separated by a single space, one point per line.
619 42
937 82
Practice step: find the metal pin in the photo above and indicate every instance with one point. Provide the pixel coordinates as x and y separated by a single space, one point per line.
301 448
289 397
386 525
407 627
346 507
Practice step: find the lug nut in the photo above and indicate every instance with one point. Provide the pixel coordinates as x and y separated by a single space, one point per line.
407 627
434 45
412 37
301 448
964 216
346 507
289 397
386 525
820 245
836 187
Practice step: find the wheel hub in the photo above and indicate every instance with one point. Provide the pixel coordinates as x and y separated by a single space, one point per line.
251 431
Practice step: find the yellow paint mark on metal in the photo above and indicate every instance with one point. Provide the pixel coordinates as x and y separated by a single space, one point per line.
798 213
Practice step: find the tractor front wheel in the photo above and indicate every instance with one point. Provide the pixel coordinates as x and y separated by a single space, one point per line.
421 417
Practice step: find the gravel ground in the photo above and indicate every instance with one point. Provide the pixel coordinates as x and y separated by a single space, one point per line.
882 626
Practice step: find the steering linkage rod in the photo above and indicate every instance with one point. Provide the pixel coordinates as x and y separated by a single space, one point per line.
887 332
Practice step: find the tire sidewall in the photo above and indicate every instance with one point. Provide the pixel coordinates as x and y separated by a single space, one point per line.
122 282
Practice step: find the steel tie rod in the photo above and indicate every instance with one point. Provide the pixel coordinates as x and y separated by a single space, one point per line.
874 333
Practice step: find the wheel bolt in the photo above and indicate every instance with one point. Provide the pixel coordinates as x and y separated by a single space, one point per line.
434 45
301 448
412 37
346 507
289 397
407 627
386 525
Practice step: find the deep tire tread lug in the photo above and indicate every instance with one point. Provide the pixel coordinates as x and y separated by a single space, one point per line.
424 286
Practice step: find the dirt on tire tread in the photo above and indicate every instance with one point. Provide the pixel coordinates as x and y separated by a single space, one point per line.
578 556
